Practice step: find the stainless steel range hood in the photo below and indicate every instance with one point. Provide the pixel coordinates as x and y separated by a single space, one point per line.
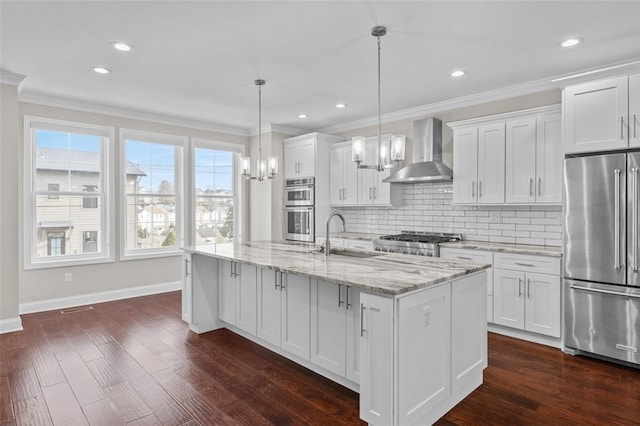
427 156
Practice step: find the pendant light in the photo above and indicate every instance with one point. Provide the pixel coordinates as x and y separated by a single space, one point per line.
267 169
392 150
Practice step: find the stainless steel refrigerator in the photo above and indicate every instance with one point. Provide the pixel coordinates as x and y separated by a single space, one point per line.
601 264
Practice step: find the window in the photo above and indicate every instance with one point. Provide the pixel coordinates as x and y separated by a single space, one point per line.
89 202
151 186
63 161
215 183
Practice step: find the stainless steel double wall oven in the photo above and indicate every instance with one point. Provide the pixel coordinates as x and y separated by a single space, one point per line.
299 209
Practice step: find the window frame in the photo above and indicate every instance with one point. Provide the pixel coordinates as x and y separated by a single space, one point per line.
179 142
239 187
107 153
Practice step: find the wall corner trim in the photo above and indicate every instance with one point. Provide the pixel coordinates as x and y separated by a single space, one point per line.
11 78
105 296
10 325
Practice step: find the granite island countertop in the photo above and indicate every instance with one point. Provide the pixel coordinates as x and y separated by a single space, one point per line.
551 251
385 273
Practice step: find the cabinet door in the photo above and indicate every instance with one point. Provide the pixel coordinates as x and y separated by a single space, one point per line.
350 174
290 160
187 290
336 175
520 182
465 164
353 334
634 110
508 298
247 298
227 291
491 144
269 325
376 359
366 177
307 158
595 115
424 351
328 325
549 157
542 305
296 314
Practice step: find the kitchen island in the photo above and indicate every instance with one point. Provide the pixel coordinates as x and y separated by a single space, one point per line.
407 332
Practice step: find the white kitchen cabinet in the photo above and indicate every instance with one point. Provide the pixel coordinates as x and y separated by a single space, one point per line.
343 176
534 160
299 158
465 162
333 328
491 160
527 295
602 115
283 315
187 288
237 294
477 256
376 359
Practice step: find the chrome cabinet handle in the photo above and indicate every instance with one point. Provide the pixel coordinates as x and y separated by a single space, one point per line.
186 267
473 189
479 188
634 219
282 287
232 270
370 193
348 303
520 287
528 288
616 223
635 134
539 186
375 192
530 187
530 265
362 329
275 273
621 127
339 295
464 258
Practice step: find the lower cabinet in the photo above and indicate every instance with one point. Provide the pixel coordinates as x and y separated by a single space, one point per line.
335 323
187 288
528 301
283 312
237 294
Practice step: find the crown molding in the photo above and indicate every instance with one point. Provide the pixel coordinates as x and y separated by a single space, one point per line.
61 102
438 107
11 78
627 67
548 109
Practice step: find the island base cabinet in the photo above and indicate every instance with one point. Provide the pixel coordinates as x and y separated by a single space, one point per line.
199 293
187 288
376 359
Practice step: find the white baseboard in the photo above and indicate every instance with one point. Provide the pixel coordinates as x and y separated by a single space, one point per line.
105 296
524 335
10 325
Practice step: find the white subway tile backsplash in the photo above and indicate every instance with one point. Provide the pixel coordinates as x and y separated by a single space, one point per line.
428 208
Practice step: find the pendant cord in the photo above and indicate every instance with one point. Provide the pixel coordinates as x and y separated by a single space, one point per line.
379 109
259 125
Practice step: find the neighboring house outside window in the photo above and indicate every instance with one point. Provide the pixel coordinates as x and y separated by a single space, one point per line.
63 161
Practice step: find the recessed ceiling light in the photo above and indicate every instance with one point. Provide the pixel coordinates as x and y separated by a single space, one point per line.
458 73
101 70
341 105
118 45
570 42
302 115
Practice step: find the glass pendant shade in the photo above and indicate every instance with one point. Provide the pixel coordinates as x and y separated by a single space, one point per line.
397 147
262 169
272 165
245 166
383 153
357 149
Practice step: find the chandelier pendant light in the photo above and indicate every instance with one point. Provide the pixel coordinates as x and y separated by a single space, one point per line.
388 151
266 169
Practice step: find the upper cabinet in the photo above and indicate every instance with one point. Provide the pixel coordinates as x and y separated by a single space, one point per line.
350 186
300 158
602 115
512 158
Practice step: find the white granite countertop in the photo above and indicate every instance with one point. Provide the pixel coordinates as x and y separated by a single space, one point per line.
506 248
387 273
353 236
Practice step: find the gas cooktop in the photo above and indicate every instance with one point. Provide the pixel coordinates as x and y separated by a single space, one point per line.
420 243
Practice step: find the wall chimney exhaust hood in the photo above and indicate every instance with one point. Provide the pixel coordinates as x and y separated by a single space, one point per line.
427 156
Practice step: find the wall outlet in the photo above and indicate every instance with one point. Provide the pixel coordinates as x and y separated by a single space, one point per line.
68 277
495 216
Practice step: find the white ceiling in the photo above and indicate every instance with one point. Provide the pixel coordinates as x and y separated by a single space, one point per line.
198 60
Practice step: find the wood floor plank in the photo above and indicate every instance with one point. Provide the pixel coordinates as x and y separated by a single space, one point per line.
32 411
127 402
63 406
103 413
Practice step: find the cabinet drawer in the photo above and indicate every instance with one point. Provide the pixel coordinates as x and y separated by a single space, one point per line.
358 245
527 263
477 256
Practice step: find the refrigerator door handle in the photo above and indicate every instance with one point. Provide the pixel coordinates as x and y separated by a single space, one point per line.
634 220
599 290
616 223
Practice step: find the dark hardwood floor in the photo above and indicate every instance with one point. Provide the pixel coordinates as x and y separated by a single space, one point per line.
135 362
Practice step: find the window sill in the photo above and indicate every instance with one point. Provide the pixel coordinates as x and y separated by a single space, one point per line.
59 263
150 255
